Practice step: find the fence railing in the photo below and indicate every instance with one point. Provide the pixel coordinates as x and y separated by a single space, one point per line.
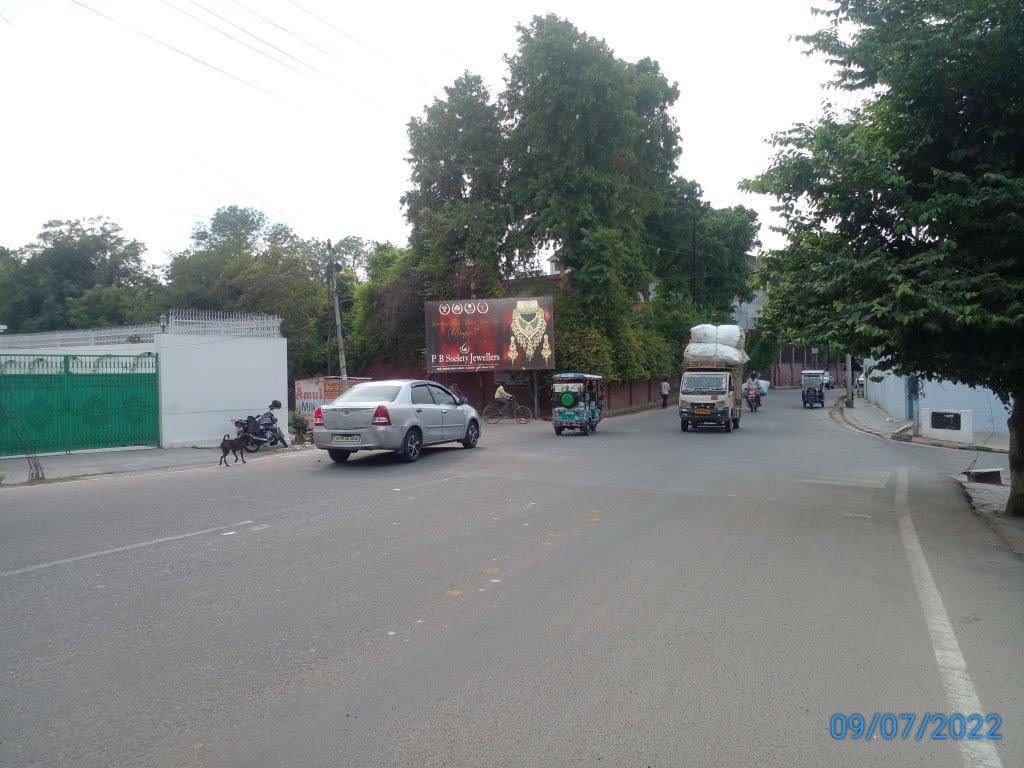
179 322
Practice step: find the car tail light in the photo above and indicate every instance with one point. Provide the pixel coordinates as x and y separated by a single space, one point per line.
381 417
318 417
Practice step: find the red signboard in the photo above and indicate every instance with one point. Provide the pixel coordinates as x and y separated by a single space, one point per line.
490 334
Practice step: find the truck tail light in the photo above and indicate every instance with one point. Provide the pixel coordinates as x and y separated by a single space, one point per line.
318 417
381 417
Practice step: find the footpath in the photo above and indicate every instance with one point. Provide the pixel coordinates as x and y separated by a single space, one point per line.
988 500
132 461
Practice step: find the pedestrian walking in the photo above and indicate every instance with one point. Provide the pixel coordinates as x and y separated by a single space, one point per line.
665 391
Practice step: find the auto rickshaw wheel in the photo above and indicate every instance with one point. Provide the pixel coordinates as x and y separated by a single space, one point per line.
684 425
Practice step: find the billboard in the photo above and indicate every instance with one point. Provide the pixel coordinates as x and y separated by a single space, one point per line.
490 334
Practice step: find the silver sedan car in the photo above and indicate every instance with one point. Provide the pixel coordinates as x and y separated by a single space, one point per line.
402 415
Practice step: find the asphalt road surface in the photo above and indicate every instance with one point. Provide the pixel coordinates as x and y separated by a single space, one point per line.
638 597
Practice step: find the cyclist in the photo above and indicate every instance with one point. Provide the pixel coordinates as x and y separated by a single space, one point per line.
505 401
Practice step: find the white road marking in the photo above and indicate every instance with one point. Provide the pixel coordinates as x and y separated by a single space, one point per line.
854 514
261 527
431 482
229 533
115 550
871 480
952 667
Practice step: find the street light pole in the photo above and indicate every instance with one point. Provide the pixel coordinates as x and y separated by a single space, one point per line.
337 318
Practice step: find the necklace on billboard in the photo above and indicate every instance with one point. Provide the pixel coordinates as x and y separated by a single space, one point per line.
528 328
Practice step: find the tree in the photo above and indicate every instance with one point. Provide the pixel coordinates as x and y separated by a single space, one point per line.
240 261
592 150
43 287
463 237
905 217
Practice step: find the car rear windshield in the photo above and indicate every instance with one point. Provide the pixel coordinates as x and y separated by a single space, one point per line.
700 383
371 393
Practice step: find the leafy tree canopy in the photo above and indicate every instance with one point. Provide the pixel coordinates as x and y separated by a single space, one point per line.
905 217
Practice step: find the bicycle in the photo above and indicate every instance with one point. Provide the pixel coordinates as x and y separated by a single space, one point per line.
510 410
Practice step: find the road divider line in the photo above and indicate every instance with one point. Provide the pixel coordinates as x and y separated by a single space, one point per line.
115 550
952 667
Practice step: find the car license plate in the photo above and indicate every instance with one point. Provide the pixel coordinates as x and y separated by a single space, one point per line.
570 416
702 411
345 438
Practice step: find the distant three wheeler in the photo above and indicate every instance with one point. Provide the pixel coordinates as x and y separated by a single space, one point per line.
812 388
577 401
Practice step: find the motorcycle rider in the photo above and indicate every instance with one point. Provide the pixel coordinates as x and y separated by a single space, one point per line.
752 387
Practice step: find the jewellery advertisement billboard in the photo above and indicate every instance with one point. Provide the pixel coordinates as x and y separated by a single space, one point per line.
490 334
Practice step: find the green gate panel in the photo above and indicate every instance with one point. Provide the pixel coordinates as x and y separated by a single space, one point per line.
53 403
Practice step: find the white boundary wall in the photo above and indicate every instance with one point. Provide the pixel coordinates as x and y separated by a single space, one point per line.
206 381
988 412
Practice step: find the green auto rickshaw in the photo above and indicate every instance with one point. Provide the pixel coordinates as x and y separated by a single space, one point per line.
577 401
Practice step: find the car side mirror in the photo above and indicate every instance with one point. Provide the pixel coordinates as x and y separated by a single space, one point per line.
463 400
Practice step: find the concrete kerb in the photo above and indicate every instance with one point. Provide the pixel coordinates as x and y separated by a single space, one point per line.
902 434
989 502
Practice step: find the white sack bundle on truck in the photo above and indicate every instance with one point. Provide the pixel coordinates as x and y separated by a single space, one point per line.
722 355
729 335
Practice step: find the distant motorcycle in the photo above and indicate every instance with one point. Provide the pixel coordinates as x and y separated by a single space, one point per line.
753 395
262 430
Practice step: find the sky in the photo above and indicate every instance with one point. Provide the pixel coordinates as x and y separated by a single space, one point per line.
308 123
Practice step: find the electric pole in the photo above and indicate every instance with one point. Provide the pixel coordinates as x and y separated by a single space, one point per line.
332 280
693 253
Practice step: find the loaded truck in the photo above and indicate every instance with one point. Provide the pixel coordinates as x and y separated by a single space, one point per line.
711 387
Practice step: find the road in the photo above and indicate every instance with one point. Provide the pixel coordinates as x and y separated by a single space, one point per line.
638 597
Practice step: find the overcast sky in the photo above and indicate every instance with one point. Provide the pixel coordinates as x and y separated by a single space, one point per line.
99 120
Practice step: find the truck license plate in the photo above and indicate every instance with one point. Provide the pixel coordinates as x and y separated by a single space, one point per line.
345 438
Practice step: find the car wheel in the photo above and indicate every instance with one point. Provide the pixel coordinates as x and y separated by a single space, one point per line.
728 425
472 435
684 425
736 423
412 446
338 456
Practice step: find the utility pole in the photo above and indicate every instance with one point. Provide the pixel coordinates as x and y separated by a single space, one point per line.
693 253
849 381
337 318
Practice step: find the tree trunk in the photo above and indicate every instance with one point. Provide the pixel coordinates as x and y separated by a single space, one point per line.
1015 504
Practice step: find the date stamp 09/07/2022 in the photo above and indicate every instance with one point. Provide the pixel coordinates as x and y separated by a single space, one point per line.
904 726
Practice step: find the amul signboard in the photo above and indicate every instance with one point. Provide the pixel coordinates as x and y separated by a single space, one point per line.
490 334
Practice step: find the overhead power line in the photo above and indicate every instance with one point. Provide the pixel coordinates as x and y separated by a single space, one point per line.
180 52
355 40
256 37
6 19
287 31
232 37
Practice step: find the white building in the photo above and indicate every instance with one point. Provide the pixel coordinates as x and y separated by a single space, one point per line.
198 370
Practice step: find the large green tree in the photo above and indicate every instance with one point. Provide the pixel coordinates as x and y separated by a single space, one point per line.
905 217
592 151
76 274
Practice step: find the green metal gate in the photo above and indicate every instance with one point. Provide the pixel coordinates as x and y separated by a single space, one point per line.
53 403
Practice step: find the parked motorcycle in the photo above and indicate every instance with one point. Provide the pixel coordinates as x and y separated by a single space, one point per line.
261 430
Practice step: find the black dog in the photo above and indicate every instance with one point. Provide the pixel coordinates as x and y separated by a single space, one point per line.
233 445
